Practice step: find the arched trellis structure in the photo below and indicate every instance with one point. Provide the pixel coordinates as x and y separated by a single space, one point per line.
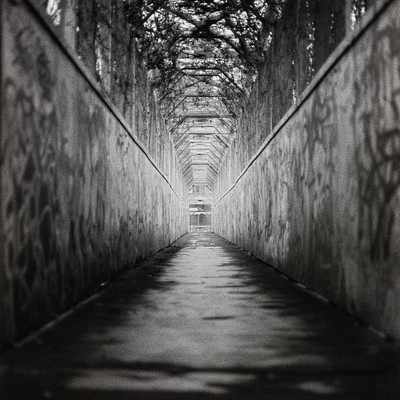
203 56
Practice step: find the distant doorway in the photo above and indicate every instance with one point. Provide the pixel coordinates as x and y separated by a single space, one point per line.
200 217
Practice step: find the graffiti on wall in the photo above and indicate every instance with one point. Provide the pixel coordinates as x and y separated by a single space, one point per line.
50 243
339 156
77 199
31 152
318 160
378 154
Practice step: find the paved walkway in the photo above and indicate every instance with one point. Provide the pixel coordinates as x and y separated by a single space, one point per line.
203 320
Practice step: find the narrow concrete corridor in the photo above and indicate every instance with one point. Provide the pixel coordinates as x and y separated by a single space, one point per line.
203 319
132 129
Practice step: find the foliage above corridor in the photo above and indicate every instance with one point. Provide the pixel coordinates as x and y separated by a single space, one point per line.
233 33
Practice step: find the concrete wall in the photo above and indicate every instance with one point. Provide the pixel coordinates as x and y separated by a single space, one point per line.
321 199
81 198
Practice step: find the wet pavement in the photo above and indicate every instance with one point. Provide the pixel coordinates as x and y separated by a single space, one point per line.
203 320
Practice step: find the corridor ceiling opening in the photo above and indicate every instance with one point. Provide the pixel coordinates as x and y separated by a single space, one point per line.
202 57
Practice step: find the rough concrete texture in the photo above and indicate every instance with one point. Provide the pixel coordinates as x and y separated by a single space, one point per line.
321 202
203 320
80 200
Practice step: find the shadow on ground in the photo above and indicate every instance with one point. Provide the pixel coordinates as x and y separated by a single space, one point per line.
203 320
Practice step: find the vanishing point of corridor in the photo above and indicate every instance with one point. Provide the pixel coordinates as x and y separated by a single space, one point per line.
201 320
